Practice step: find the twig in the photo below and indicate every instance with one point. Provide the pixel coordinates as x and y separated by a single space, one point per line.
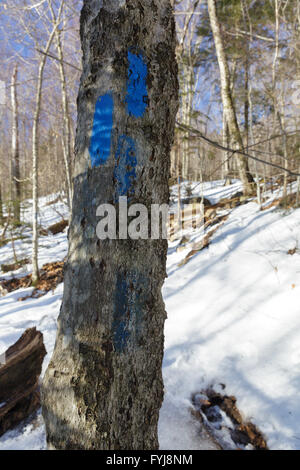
234 151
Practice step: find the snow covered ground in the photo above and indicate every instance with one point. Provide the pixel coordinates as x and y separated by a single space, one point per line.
233 318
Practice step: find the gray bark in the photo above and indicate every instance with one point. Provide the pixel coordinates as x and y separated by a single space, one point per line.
103 388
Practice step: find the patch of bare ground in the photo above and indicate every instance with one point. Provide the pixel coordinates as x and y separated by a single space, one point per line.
214 217
204 243
220 415
6 268
287 202
51 275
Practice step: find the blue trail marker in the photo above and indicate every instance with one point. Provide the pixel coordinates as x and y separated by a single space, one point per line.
100 144
126 162
121 315
137 94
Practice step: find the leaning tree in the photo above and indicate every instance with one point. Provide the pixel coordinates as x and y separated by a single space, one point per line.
103 388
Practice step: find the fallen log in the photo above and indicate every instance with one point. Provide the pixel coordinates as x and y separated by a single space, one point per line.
59 227
20 368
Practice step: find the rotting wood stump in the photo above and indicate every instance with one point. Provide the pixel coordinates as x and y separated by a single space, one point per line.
20 369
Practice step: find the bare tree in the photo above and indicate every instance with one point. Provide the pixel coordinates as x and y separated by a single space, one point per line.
227 100
35 147
66 142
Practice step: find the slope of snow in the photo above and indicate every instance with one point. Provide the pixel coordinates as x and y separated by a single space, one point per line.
51 248
233 318
211 190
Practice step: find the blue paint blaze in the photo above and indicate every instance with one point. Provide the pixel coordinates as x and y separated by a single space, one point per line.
137 94
125 169
102 128
121 315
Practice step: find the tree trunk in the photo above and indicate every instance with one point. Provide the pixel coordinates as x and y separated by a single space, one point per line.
281 120
15 162
228 105
103 388
1 202
35 149
66 144
226 154
35 161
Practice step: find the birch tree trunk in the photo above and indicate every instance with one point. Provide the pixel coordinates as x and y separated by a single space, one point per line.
227 100
66 136
66 143
281 120
35 149
15 162
226 154
103 388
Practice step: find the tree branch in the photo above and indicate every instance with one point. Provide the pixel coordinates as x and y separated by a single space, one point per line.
233 151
